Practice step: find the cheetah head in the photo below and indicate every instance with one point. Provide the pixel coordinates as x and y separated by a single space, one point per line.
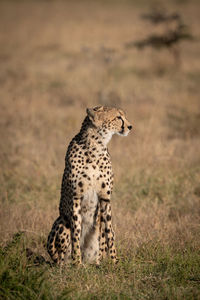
110 120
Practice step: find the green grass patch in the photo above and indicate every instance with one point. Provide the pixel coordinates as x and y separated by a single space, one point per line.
20 279
155 272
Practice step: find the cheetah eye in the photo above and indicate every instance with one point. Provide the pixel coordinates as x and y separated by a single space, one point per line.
119 117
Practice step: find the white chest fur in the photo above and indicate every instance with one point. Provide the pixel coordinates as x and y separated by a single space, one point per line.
89 235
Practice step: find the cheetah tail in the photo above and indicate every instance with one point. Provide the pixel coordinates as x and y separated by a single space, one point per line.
51 247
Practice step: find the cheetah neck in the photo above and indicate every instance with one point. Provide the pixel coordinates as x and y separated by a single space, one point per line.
89 134
106 137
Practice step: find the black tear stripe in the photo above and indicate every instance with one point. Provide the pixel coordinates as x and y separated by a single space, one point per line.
122 127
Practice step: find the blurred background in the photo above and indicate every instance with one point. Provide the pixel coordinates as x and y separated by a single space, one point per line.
59 57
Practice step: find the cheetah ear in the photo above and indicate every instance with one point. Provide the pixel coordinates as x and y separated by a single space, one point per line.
98 108
92 114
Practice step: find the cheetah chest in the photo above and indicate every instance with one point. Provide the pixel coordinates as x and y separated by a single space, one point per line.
89 229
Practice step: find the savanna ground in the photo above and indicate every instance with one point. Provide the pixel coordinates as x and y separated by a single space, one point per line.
57 58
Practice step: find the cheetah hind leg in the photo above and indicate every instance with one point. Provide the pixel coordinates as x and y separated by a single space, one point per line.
59 241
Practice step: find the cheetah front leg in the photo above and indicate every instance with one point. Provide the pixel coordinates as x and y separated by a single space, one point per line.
107 237
110 234
76 231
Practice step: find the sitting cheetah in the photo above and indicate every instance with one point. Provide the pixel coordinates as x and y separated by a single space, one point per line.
84 227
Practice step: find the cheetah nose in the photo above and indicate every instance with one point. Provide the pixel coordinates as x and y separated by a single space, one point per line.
130 127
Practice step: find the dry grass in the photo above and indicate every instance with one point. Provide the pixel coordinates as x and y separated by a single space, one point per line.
59 57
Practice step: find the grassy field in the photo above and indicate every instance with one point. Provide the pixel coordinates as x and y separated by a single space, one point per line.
57 58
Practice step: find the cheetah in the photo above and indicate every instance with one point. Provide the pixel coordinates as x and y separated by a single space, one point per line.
84 228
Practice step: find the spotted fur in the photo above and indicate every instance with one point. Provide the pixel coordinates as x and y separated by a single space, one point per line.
84 228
